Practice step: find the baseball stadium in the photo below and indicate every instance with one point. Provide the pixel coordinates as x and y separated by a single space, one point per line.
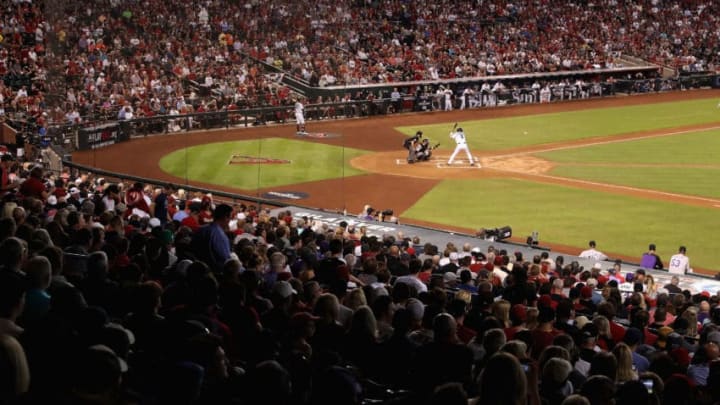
360 202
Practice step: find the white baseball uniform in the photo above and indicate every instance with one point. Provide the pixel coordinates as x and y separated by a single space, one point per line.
460 144
466 95
679 264
448 100
299 113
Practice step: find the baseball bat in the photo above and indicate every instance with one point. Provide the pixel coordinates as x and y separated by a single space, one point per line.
454 126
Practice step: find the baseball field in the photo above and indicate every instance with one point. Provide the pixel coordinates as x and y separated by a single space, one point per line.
624 171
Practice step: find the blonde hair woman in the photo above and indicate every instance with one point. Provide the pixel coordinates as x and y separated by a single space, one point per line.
651 287
501 311
355 299
604 338
532 318
625 371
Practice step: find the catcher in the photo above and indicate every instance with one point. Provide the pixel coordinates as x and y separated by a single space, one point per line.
423 151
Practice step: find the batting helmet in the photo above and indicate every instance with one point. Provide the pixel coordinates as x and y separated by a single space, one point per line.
418 133
459 130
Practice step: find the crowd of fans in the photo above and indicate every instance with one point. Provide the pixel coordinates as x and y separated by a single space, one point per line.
71 61
114 293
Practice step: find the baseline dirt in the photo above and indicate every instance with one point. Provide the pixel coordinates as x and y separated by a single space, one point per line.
390 183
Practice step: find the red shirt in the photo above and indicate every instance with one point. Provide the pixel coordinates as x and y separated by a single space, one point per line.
542 339
465 334
32 187
191 223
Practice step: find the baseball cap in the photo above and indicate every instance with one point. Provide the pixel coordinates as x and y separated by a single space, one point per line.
450 277
52 200
546 301
581 321
74 190
283 289
154 222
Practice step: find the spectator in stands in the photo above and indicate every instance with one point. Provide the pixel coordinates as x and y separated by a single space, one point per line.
443 360
34 185
673 287
412 279
504 382
544 333
706 354
211 242
554 384
626 371
37 300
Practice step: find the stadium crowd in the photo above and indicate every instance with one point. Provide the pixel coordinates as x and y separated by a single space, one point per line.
77 62
114 293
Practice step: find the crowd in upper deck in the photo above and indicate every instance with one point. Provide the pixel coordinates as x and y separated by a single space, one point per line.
164 57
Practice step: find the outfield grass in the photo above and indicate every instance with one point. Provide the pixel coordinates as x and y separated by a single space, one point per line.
701 182
504 133
309 162
621 224
698 147
686 163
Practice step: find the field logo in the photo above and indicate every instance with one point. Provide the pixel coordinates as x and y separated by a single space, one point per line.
254 160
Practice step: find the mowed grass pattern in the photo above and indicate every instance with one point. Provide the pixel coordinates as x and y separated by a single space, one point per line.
512 132
309 161
572 216
679 147
702 182
685 163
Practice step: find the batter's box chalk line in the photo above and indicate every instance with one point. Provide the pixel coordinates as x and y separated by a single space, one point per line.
458 164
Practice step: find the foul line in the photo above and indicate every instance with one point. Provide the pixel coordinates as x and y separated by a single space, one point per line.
620 187
605 142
